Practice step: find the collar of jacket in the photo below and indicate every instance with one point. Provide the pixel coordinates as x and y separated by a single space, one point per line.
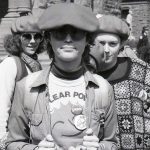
44 74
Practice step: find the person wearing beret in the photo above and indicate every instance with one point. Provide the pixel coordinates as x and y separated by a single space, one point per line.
130 80
22 47
64 107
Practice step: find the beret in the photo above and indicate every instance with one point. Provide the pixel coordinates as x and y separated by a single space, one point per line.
115 25
25 24
72 14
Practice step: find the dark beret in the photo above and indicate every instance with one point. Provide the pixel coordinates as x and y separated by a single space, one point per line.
25 24
61 14
115 25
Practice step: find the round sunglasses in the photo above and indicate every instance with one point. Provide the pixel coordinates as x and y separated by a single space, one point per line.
27 37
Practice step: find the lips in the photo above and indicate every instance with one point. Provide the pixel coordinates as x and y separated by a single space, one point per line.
68 47
32 46
107 57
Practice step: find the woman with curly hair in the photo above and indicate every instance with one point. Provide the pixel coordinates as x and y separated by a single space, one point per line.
22 46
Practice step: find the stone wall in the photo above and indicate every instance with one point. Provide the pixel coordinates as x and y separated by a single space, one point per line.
110 7
141 17
99 6
102 6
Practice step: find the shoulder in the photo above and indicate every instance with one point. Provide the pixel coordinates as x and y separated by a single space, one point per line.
8 66
104 93
101 81
139 62
8 61
140 71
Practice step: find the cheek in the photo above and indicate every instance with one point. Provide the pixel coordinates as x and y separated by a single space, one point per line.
23 46
81 45
115 50
55 43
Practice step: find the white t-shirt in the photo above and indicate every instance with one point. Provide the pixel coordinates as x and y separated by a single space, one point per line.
67 107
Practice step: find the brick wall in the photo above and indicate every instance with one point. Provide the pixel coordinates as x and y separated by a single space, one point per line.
141 17
101 6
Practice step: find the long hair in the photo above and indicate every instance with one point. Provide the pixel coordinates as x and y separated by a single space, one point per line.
12 45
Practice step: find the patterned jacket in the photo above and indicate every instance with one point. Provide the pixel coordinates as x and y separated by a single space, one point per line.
131 83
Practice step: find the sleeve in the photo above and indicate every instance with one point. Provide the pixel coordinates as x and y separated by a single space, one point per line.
8 72
18 125
109 138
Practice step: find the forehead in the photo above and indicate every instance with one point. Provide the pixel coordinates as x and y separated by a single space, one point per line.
107 37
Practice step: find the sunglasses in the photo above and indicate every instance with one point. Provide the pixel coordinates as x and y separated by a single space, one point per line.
74 33
27 37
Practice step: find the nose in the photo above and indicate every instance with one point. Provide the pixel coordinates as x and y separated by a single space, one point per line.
32 40
68 38
106 48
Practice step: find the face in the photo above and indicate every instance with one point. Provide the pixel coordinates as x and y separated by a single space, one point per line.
68 43
111 44
30 42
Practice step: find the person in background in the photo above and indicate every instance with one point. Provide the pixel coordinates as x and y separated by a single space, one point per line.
65 106
129 19
143 46
130 80
22 47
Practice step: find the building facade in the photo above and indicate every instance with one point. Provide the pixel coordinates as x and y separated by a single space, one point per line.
140 14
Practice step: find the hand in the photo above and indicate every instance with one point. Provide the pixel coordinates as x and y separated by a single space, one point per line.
47 144
80 147
97 52
90 141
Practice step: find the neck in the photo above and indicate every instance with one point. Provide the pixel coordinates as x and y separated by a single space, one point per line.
68 66
67 75
105 67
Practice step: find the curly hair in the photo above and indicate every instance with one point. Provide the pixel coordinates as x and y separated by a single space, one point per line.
12 45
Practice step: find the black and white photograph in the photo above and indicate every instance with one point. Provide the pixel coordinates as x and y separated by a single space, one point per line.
75 75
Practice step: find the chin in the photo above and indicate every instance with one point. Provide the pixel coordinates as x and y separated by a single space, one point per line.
69 57
29 53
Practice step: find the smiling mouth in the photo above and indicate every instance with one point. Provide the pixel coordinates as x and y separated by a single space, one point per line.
31 47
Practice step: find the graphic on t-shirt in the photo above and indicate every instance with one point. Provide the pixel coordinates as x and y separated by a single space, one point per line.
68 117
64 98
